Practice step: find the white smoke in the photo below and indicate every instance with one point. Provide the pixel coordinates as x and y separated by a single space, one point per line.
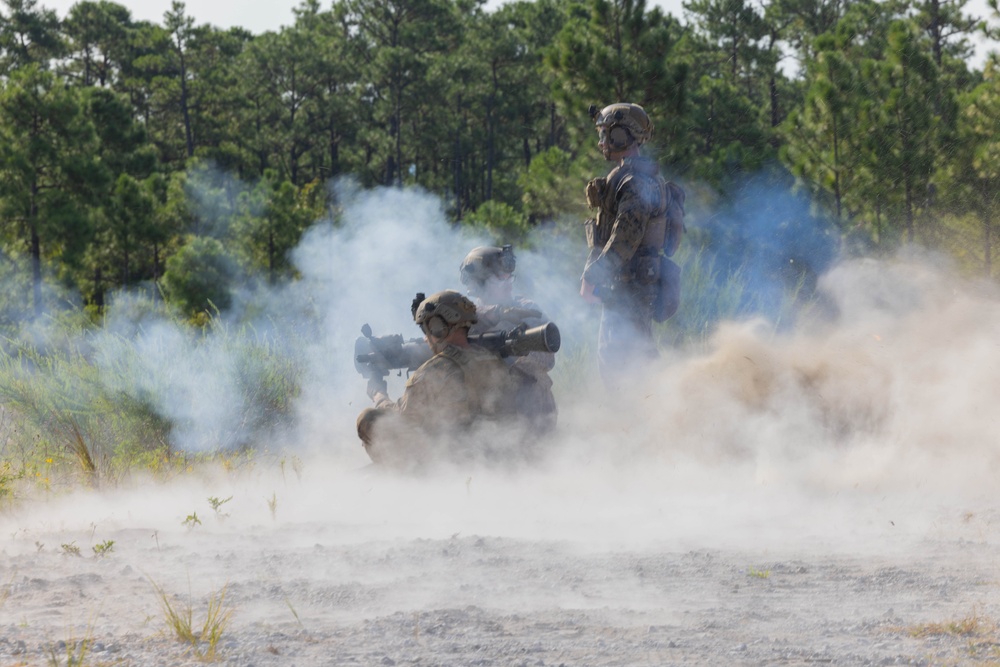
877 416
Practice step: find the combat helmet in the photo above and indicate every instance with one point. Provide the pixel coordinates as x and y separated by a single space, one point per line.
485 261
441 312
625 122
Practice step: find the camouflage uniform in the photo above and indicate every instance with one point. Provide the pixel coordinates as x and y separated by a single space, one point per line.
627 241
535 400
450 402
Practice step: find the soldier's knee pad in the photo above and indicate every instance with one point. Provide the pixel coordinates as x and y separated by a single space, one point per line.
366 424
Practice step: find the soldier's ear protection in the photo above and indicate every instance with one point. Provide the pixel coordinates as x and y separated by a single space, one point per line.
619 137
436 326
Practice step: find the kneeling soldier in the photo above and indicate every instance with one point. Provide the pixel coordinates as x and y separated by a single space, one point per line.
451 404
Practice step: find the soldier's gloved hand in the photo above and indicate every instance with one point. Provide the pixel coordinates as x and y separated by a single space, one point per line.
377 385
488 316
491 316
521 314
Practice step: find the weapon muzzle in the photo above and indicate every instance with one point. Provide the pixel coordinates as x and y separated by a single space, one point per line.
543 338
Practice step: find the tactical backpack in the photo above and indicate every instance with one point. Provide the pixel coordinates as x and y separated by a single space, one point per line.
668 296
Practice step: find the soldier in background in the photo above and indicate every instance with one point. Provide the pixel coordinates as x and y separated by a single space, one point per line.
488 275
638 226
449 402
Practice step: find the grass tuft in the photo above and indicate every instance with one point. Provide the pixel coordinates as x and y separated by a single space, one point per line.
216 504
204 641
68 654
5 591
104 548
973 625
272 504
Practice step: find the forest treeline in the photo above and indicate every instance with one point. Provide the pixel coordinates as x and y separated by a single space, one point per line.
185 156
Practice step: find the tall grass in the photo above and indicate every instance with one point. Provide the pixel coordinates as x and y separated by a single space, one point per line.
79 405
709 296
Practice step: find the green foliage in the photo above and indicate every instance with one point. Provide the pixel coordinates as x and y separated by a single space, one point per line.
59 395
104 548
503 223
29 34
269 222
124 140
181 159
551 185
617 51
710 296
199 277
216 505
9 476
50 172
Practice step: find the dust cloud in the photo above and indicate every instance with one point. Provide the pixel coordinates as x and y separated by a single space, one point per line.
870 425
772 495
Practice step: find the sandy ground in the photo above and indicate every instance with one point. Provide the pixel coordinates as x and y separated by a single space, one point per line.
826 496
592 566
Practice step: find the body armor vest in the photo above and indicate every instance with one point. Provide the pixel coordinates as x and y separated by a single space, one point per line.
664 201
491 387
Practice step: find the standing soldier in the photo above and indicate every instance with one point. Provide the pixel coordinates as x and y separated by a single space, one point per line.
452 404
638 226
488 275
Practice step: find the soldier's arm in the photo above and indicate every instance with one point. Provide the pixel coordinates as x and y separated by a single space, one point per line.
383 402
536 363
626 234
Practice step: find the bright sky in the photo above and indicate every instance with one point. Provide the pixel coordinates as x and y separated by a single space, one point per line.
259 16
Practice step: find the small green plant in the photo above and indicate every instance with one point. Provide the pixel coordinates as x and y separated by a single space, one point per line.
272 504
216 505
104 548
180 620
5 592
70 549
292 609
8 478
296 467
759 574
191 521
68 654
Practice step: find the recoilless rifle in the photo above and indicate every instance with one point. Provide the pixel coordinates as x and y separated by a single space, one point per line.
377 356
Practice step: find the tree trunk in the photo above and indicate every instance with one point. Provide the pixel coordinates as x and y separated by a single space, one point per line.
36 252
